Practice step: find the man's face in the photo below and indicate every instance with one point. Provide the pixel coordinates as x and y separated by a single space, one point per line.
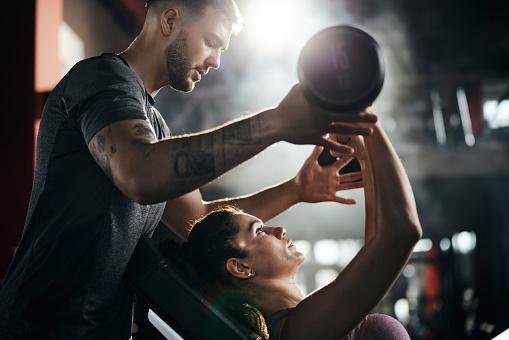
197 48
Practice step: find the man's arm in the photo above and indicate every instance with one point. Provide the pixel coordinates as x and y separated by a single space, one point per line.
313 183
149 170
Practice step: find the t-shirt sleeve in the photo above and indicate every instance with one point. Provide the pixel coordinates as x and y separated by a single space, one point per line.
107 91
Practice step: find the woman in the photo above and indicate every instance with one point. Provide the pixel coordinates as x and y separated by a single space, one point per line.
236 254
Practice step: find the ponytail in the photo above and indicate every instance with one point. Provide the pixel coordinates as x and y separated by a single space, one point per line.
202 259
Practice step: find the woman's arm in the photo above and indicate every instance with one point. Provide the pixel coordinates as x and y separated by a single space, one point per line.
313 183
357 142
332 311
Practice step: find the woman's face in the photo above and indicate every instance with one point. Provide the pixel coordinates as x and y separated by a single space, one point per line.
270 253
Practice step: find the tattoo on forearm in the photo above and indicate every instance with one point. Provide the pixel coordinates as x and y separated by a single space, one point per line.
146 144
242 132
197 163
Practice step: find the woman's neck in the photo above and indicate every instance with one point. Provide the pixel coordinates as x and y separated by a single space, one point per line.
277 294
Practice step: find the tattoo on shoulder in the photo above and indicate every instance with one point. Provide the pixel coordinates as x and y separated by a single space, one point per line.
101 142
102 148
143 130
113 148
196 163
242 132
144 138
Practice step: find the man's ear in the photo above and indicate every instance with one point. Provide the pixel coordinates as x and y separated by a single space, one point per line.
171 20
239 268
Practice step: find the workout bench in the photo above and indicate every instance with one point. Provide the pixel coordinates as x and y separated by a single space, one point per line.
175 301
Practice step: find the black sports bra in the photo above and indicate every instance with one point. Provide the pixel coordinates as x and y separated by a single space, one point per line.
274 318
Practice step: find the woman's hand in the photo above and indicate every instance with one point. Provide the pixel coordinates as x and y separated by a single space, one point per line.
356 142
318 183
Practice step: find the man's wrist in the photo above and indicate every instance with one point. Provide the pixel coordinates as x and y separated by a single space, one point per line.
292 189
270 126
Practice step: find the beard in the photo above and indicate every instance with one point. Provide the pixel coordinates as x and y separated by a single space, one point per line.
178 64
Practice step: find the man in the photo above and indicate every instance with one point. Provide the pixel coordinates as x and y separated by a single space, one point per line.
106 166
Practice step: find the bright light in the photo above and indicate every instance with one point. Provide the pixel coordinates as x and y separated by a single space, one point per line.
502 116
71 48
409 271
326 252
329 252
445 244
402 310
300 280
274 25
496 114
489 109
464 242
347 250
423 245
466 122
324 277
303 247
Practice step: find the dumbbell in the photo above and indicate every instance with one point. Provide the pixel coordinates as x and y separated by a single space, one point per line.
341 69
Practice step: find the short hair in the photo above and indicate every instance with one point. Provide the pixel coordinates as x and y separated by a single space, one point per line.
228 7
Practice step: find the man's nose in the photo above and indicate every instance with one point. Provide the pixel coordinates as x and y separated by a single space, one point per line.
214 60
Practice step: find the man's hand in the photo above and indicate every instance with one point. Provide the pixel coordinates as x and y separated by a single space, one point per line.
300 122
319 184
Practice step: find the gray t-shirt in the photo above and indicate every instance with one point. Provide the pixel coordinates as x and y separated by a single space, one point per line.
65 281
